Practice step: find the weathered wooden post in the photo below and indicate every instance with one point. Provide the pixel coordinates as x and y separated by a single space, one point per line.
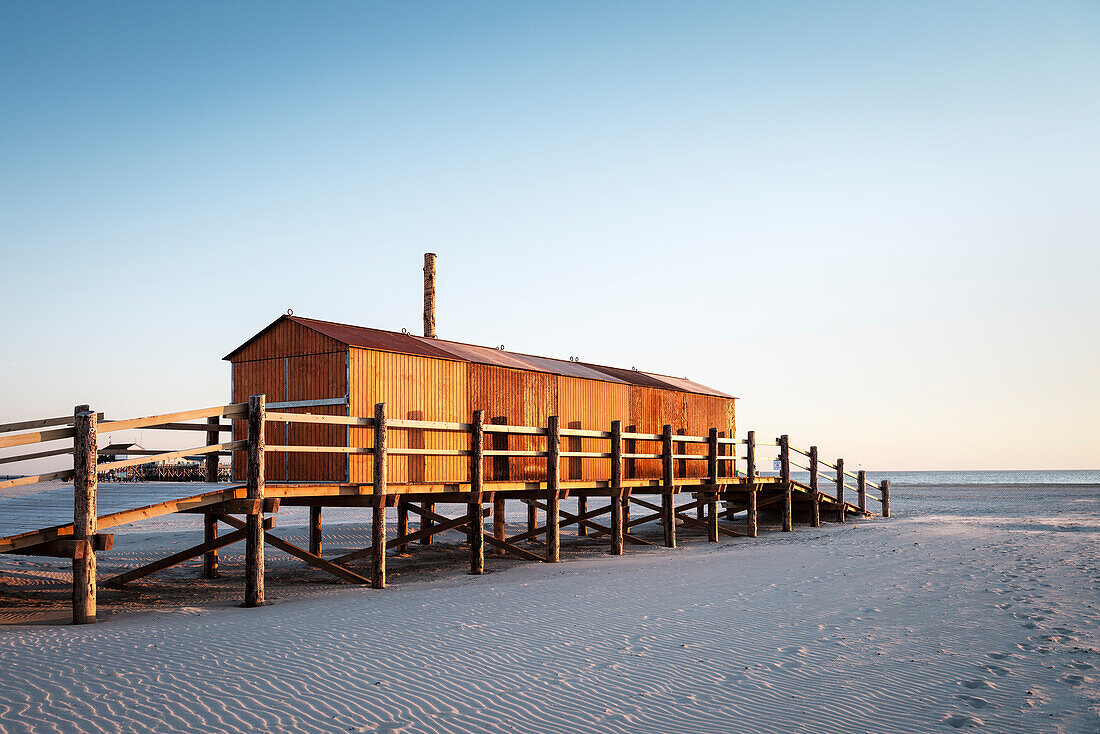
378 519
85 525
630 471
616 488
553 485
785 480
402 525
209 520
752 520
254 526
315 529
712 472
477 484
815 517
861 489
750 456
668 499
841 513
884 486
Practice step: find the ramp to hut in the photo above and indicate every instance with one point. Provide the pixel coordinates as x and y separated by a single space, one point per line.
40 517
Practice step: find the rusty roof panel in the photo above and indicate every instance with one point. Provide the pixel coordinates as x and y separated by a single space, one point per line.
401 343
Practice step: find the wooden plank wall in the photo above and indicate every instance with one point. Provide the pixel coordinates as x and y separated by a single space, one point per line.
287 339
525 399
590 405
414 388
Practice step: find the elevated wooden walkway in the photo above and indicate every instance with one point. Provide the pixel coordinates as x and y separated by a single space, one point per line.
65 522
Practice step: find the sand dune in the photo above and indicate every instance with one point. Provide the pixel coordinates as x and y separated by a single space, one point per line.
978 617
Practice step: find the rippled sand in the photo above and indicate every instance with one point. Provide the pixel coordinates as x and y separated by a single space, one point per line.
974 608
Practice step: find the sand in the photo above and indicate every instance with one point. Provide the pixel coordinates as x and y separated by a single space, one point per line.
974 608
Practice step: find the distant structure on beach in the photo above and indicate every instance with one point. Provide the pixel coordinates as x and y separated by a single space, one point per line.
426 378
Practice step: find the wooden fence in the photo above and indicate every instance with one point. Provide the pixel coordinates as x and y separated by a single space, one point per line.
723 492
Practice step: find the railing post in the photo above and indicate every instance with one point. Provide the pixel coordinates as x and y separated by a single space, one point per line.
378 519
712 496
841 513
750 455
209 521
254 526
815 508
616 492
861 489
477 484
85 484
668 499
884 486
553 485
785 479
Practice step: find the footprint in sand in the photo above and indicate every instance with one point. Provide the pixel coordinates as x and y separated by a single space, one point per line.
958 721
998 655
996 669
976 683
974 701
1073 679
1083 666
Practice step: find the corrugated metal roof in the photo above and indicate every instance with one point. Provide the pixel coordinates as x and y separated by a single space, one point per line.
401 343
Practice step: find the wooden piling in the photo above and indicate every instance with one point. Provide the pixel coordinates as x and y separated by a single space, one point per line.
885 488
477 484
712 472
553 485
785 479
209 522
402 525
582 508
750 455
861 489
85 484
315 529
426 523
378 519
254 527
815 516
668 499
752 518
841 513
499 527
616 487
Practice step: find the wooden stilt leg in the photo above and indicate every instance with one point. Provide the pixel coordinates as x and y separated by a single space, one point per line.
752 518
841 511
499 528
815 509
426 523
402 525
532 518
315 529
209 535
475 523
668 498
254 529
712 494
378 520
85 514
582 507
788 519
617 501
553 465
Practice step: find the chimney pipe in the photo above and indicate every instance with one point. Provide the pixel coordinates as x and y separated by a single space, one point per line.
429 295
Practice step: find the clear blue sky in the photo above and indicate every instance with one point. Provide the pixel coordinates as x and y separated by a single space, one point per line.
876 223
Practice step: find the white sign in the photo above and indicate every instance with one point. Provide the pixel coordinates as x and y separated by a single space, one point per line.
777 465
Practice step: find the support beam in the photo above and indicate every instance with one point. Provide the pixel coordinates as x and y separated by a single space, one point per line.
184 555
85 445
315 529
426 524
885 486
616 488
668 498
302 555
750 456
553 486
254 545
213 432
477 483
499 526
861 490
378 516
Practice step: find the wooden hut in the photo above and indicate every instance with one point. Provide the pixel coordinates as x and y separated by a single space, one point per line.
432 379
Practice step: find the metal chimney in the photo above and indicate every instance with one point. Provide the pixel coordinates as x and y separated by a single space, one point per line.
429 295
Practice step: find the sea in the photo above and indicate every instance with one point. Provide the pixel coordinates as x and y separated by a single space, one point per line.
928 478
